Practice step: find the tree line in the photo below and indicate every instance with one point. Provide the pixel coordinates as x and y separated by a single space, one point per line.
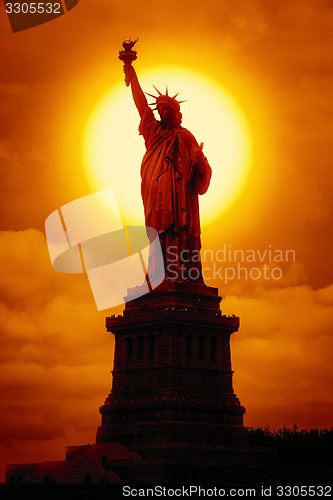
311 446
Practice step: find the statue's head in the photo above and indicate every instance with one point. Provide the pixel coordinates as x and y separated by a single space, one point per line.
168 111
168 107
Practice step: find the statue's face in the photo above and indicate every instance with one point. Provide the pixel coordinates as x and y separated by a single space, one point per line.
166 112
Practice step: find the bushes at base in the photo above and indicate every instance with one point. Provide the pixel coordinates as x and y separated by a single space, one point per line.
295 445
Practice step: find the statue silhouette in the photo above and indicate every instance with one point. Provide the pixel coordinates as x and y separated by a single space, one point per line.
174 171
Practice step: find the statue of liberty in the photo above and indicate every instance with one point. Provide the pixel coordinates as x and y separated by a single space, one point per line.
174 171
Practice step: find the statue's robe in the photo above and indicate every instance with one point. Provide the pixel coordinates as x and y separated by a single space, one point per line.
172 178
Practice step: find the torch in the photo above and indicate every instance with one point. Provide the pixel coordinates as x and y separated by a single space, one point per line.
128 55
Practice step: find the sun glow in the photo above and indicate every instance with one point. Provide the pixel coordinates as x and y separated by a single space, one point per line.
113 149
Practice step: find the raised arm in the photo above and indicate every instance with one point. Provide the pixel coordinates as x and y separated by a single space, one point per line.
139 97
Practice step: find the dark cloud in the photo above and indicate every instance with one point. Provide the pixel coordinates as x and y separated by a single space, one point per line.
56 356
281 356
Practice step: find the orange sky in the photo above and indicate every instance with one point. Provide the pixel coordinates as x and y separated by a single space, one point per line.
275 58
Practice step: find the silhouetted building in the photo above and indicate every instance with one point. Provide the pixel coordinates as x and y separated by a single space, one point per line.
172 416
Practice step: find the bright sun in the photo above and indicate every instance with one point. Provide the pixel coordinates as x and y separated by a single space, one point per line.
113 149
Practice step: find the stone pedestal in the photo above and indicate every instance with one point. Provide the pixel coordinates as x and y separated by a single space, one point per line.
172 390
172 416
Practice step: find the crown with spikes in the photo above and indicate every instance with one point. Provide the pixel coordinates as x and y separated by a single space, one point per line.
166 98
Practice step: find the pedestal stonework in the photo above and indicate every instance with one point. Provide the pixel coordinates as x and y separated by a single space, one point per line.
172 387
172 415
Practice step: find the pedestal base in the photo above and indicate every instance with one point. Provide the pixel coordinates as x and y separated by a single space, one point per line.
172 377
